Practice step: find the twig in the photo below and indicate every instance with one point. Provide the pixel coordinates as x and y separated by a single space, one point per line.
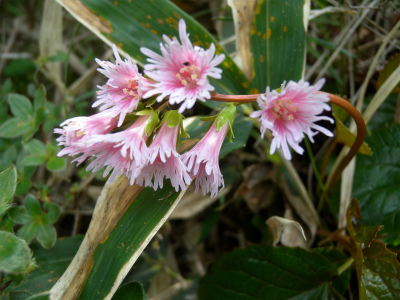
11 40
344 40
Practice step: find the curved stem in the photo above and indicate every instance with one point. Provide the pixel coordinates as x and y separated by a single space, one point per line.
361 130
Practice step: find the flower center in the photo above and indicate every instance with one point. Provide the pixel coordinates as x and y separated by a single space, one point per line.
131 87
188 75
283 108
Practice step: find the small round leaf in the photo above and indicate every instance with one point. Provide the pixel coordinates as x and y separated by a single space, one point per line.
46 235
15 255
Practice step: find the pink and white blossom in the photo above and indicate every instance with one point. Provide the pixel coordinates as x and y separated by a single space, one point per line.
181 71
202 161
109 156
75 132
164 161
124 88
291 113
124 152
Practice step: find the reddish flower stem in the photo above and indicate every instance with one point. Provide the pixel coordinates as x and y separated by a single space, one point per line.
361 130
234 98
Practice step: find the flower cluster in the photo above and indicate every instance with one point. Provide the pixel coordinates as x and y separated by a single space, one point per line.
145 150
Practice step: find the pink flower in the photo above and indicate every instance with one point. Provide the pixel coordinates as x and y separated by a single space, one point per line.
164 161
76 131
291 113
181 72
124 152
202 160
109 156
124 88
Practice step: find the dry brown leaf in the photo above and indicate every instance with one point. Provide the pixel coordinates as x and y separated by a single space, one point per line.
257 186
301 209
243 12
50 39
288 232
104 219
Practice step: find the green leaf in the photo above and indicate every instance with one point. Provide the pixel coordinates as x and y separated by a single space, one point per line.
376 183
7 224
46 235
130 291
45 296
122 23
19 215
378 270
35 146
34 160
8 184
381 272
51 265
345 136
32 206
341 284
264 272
132 230
15 127
366 234
277 42
40 97
15 255
40 115
27 232
384 116
23 187
10 155
387 70
29 133
21 106
53 212
56 164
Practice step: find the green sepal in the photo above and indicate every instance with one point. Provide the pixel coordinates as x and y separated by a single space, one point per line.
144 112
209 118
173 118
139 107
278 90
151 102
151 123
183 132
227 114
